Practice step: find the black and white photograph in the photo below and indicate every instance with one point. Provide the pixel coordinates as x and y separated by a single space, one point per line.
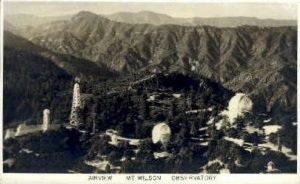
149 87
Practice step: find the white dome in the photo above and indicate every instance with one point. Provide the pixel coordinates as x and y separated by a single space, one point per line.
238 106
161 133
46 111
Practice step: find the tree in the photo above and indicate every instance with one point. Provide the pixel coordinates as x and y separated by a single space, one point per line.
255 138
103 147
288 135
114 156
128 154
183 136
141 130
191 98
172 110
193 130
240 124
214 168
144 108
128 166
145 147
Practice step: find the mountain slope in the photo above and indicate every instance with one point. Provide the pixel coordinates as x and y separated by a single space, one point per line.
36 78
25 21
144 17
254 60
72 65
32 83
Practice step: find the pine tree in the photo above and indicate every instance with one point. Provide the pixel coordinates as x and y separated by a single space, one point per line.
144 108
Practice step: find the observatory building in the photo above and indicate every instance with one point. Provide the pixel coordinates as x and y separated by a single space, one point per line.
10 133
238 106
76 105
46 119
161 133
24 129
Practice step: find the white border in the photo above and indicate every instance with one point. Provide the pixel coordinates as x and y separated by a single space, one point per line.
166 1
1 88
166 178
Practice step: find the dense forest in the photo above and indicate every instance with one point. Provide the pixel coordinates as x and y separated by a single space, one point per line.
124 104
31 84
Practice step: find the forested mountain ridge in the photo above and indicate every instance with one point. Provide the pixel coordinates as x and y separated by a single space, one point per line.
133 105
32 83
36 78
260 61
74 66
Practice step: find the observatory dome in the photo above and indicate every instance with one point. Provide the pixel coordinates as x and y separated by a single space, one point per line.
46 111
161 133
238 106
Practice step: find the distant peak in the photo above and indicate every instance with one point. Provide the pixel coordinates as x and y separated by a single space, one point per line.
148 12
85 14
88 18
152 13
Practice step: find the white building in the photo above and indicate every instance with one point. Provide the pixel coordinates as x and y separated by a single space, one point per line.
10 133
46 119
24 129
271 168
161 133
238 106
76 105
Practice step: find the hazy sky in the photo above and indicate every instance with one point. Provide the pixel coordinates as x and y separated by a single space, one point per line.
260 10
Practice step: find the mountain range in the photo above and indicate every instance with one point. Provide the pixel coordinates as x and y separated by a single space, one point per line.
258 60
149 17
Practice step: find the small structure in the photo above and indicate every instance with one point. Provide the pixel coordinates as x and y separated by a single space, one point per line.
111 132
239 142
176 95
271 168
10 133
161 133
9 162
100 165
24 129
120 141
114 140
163 154
46 119
268 129
74 117
224 170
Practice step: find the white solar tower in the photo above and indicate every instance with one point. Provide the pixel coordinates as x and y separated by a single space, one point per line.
74 117
46 119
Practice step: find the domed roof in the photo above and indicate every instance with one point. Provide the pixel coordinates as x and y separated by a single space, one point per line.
46 111
161 133
238 105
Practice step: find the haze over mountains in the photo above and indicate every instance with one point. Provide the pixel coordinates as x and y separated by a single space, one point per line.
148 17
259 60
